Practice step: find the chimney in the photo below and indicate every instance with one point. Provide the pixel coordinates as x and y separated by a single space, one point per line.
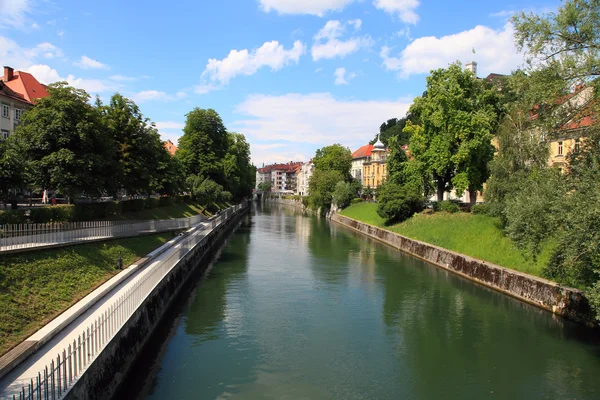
8 73
472 66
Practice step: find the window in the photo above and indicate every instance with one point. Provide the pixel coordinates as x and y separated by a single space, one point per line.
5 134
560 148
577 144
5 111
18 113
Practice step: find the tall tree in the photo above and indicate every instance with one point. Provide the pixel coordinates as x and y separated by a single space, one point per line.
204 145
238 169
12 168
393 128
334 158
457 117
65 143
139 148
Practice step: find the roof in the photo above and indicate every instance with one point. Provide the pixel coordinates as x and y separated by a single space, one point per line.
8 92
289 167
363 152
25 84
171 148
493 76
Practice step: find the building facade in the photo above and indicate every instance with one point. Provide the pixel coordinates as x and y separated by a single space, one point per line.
375 166
171 148
303 178
282 176
361 155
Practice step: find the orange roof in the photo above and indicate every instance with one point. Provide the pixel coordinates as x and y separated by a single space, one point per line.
8 92
290 167
364 151
171 148
26 85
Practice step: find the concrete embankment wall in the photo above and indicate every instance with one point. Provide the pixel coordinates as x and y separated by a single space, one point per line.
104 376
293 203
567 302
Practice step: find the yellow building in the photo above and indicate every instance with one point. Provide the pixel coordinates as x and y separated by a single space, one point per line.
374 167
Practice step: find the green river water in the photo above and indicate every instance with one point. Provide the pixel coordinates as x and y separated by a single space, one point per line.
298 308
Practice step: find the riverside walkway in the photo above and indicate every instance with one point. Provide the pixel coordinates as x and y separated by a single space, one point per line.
58 363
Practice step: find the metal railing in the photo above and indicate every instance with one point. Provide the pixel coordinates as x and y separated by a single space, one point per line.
55 379
22 236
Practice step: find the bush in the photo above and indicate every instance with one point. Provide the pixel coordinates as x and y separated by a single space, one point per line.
305 201
151 202
448 206
397 203
344 193
483 209
356 200
42 215
132 205
165 201
12 217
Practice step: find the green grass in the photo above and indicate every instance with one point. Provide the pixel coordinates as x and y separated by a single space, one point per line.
478 236
178 210
36 287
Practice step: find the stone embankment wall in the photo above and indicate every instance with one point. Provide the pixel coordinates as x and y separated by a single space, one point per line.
104 376
288 202
567 302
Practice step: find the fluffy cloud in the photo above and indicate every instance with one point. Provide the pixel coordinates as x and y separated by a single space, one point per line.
86 63
47 75
243 62
20 58
328 44
316 118
404 9
341 78
170 130
156 95
13 13
495 51
312 7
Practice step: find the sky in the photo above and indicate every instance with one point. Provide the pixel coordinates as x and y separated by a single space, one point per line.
291 75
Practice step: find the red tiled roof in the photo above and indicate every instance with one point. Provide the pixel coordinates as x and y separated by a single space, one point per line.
171 148
362 152
25 84
289 167
8 92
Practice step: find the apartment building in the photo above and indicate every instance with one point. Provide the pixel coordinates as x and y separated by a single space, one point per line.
374 167
303 176
282 176
361 155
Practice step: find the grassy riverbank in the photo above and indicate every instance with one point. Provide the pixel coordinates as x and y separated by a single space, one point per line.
478 236
177 210
36 287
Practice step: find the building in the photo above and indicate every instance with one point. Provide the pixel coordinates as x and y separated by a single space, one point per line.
374 167
282 176
18 92
358 158
13 104
303 176
171 148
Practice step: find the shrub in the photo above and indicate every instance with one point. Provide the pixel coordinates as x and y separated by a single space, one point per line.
132 205
344 193
12 217
305 201
483 209
151 202
356 200
397 203
448 206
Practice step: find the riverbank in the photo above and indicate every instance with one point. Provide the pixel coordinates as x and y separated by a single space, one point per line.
35 287
478 236
567 302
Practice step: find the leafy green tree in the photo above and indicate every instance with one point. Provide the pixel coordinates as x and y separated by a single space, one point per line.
397 202
458 116
207 191
12 169
140 152
204 145
239 172
334 158
393 128
264 186
65 144
321 187
344 192
170 177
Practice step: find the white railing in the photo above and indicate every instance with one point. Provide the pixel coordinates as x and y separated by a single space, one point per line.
56 378
22 236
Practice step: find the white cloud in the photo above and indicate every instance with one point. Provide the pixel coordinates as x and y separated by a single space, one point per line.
503 13
405 9
13 13
318 70
495 51
404 32
243 62
312 7
156 95
170 130
44 74
341 78
86 63
328 44
60 33
316 118
356 23
47 75
21 58
169 125
122 78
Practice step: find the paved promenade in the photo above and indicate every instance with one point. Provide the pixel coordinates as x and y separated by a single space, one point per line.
126 285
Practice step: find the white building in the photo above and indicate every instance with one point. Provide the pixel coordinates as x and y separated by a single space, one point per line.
303 177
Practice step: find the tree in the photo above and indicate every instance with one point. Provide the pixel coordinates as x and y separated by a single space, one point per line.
264 186
143 162
457 117
397 202
239 172
12 168
65 145
204 145
393 128
334 158
322 185
344 192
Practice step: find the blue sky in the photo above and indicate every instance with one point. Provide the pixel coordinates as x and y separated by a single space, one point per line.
292 75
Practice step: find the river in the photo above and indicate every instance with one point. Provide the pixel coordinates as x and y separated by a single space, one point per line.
296 307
